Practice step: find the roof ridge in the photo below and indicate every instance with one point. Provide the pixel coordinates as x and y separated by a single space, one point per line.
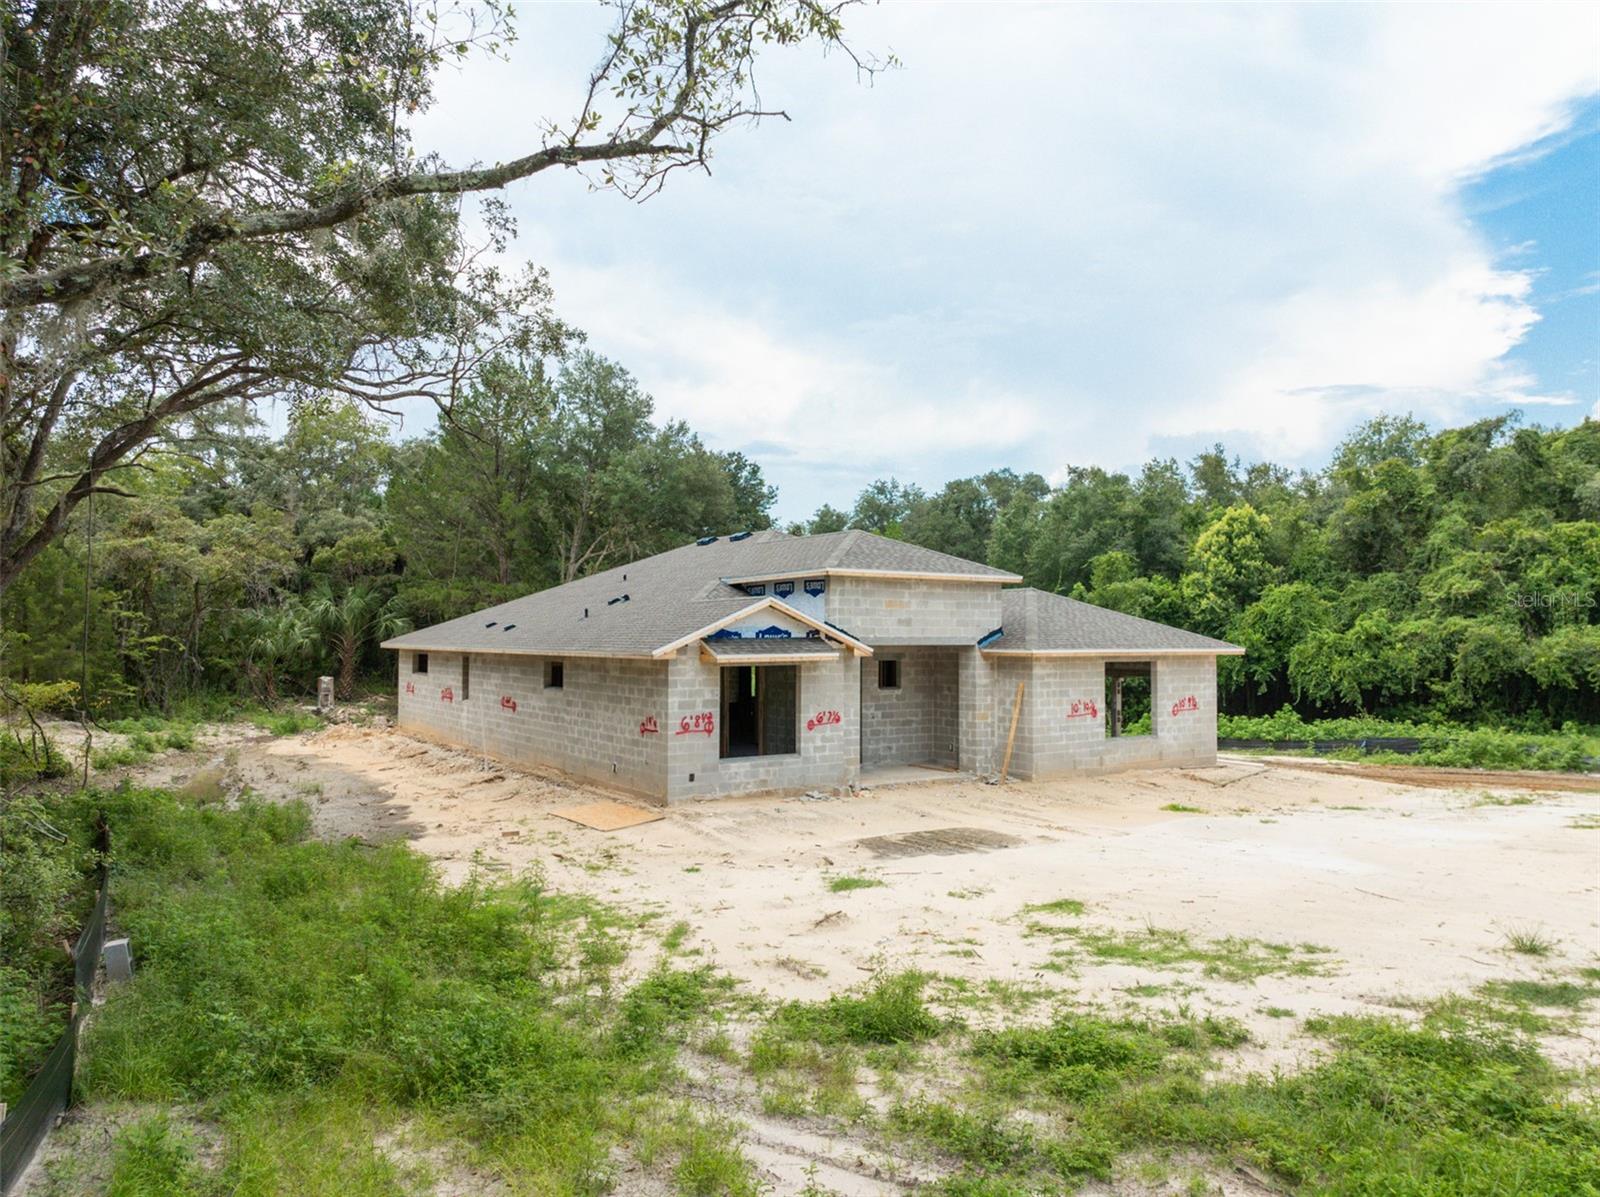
846 543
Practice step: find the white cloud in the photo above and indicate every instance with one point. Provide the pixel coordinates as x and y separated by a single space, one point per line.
1066 233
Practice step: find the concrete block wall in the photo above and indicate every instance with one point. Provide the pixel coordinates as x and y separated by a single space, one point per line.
1062 738
918 722
977 685
595 726
890 611
1008 672
829 751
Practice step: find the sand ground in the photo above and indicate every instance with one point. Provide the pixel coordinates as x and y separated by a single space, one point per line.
1405 882
1409 889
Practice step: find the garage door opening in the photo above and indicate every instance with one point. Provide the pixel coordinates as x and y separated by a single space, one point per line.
760 710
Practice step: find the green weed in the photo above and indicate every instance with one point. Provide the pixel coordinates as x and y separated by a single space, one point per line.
843 885
151 1158
1565 994
1529 941
1230 959
890 1009
1452 1106
284 723
1070 906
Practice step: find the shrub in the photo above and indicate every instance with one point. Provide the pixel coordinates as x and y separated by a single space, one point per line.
889 1010
285 978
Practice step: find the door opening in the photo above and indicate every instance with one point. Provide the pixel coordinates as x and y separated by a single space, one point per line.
760 710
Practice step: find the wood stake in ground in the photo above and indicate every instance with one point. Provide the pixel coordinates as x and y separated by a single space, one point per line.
1011 737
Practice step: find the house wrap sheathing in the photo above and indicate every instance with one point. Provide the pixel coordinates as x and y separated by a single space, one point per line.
764 661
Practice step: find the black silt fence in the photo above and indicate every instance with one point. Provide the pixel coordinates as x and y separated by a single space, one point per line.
50 1092
1401 744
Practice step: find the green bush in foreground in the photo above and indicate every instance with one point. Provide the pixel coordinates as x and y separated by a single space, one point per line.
47 860
291 988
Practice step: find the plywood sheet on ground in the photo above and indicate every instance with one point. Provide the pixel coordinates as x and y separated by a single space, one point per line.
608 816
946 841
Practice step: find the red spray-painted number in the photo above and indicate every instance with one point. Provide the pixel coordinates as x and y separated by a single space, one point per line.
1187 703
448 694
702 724
411 688
648 726
822 719
1082 708
508 703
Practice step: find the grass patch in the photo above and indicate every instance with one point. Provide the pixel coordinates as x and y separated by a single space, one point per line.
284 723
1060 906
1230 959
843 885
144 737
1182 809
808 1053
703 1152
1488 799
152 1156
302 994
890 1009
1451 1106
1567 995
1529 941
1585 823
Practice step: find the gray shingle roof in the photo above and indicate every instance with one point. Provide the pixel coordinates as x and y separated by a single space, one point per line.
774 555
1034 621
671 595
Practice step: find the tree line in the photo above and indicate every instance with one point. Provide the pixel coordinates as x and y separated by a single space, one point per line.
1421 574
249 563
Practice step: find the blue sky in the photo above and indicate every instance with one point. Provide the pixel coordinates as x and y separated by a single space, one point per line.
1070 235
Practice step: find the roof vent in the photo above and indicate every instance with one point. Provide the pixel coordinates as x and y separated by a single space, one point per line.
621 598
508 627
740 536
707 540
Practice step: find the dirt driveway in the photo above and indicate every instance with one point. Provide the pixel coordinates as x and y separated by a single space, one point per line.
1257 889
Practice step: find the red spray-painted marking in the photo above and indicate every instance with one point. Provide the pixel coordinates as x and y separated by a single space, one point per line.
410 688
822 719
507 703
648 726
702 724
1082 708
1187 703
448 694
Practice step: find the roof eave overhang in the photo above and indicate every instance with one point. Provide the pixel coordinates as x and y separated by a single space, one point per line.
826 631
1228 650
479 650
